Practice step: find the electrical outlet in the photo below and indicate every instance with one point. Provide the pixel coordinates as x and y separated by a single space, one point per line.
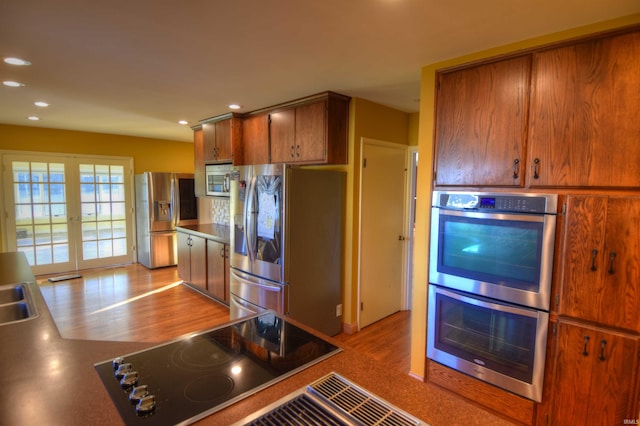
339 310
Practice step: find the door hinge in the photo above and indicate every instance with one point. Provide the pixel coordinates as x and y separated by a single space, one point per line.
557 300
555 328
364 163
361 306
435 176
564 209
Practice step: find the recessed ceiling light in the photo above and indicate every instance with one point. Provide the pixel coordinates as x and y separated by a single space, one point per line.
12 83
16 61
183 122
41 104
235 106
33 118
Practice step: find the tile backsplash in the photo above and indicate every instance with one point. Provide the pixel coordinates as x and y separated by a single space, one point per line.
213 210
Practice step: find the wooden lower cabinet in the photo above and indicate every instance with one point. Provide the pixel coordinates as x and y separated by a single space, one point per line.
595 376
192 254
217 275
204 263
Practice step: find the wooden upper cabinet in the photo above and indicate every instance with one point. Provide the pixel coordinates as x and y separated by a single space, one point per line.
219 137
311 131
595 376
481 114
255 141
600 252
282 133
198 163
584 122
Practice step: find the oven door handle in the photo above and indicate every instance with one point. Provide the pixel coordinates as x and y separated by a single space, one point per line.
495 216
484 303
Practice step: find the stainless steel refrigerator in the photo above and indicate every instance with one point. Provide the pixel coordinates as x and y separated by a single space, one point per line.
163 201
287 236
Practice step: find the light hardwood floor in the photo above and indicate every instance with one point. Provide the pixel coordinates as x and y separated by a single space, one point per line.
132 303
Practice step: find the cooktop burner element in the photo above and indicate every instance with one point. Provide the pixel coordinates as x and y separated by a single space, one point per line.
187 379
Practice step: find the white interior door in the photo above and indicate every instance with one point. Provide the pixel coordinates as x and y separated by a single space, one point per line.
382 243
68 213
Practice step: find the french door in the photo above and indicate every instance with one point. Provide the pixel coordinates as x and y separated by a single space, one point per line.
68 213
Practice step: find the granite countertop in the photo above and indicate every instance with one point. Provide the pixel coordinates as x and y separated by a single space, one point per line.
212 231
48 380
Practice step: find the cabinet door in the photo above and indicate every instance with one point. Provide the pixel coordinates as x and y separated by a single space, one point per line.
198 262
311 133
224 130
184 257
601 260
255 140
584 126
209 150
282 131
481 114
198 163
596 375
215 273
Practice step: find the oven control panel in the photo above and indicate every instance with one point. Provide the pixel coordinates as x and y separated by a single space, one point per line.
505 202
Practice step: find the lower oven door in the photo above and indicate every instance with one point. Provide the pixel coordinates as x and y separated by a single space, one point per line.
251 295
496 342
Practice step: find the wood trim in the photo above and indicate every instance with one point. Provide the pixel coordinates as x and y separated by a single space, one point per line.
495 399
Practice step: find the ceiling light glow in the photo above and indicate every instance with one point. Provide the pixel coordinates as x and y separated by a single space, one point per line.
33 118
17 61
183 122
41 104
12 83
235 106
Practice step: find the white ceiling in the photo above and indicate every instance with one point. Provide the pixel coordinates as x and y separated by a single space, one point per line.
135 67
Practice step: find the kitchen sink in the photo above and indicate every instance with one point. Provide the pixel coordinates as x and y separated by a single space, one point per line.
16 304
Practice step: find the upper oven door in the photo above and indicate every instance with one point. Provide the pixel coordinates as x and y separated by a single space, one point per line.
503 256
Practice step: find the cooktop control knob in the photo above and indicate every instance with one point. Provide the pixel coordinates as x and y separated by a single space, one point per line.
117 362
122 370
137 393
129 380
146 405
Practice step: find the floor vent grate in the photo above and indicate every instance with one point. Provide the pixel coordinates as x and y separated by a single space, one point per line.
358 403
301 410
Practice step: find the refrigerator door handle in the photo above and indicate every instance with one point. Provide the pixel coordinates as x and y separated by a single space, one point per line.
174 199
255 283
249 218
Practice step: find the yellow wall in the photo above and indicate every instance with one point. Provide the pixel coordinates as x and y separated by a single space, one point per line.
425 182
152 155
374 121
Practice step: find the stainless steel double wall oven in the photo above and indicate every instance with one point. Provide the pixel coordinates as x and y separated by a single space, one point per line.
490 272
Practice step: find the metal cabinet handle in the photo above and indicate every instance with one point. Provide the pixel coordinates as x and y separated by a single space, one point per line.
516 168
603 343
292 151
586 341
297 150
222 252
594 253
536 164
612 256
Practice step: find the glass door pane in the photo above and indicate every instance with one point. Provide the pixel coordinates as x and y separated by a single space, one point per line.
103 212
40 210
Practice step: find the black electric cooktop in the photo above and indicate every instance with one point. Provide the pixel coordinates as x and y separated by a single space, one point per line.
188 379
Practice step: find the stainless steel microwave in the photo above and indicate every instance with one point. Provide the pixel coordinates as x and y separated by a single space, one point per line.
218 178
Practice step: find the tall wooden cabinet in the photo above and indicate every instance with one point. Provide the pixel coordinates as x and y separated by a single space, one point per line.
573 107
218 270
597 348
